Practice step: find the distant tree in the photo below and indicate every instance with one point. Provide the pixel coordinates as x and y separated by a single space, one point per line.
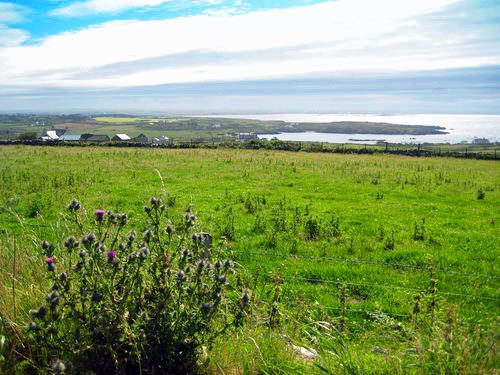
28 136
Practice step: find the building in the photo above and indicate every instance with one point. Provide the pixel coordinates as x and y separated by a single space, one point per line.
246 136
141 138
94 138
70 137
161 140
120 138
50 135
480 141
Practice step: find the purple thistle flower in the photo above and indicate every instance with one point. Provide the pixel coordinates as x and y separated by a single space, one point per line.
111 256
99 215
50 264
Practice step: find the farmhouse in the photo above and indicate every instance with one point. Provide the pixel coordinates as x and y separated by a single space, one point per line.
246 136
141 138
94 138
70 137
50 135
120 138
161 139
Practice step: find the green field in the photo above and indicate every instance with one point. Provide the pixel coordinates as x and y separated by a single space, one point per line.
291 219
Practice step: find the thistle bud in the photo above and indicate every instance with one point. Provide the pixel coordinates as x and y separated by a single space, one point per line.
46 245
218 265
42 311
96 296
200 265
52 295
74 205
170 229
59 367
32 327
144 252
82 253
88 239
54 302
147 209
122 219
181 276
155 202
206 308
111 217
131 236
148 236
63 276
245 298
222 279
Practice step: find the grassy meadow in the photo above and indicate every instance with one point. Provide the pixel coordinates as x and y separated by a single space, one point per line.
291 219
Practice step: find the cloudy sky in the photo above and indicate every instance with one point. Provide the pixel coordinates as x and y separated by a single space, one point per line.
363 56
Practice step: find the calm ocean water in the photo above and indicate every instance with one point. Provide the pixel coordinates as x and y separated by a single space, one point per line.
460 127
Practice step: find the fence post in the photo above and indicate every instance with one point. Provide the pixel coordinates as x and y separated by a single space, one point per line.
14 266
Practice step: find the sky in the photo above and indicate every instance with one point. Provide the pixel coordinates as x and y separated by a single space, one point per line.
242 56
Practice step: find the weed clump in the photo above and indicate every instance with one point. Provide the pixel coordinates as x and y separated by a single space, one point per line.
481 194
135 303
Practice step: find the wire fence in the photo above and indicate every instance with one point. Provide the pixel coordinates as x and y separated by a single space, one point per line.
357 261
26 224
372 313
321 281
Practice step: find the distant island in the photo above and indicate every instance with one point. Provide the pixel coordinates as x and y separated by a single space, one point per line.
364 127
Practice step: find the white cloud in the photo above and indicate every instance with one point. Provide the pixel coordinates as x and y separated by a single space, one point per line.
346 35
82 8
12 13
223 11
12 37
89 7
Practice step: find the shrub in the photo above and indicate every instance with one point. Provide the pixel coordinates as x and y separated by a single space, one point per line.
312 229
480 194
134 303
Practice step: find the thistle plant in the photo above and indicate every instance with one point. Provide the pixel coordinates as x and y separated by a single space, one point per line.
127 302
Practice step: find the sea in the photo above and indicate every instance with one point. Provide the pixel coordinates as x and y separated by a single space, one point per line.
460 128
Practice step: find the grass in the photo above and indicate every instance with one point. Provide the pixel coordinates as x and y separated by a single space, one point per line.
377 208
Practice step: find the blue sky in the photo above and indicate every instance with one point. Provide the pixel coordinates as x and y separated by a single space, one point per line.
390 56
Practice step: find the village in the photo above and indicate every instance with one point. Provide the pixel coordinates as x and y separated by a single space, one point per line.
66 136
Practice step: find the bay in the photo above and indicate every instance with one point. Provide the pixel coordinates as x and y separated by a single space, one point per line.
460 127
